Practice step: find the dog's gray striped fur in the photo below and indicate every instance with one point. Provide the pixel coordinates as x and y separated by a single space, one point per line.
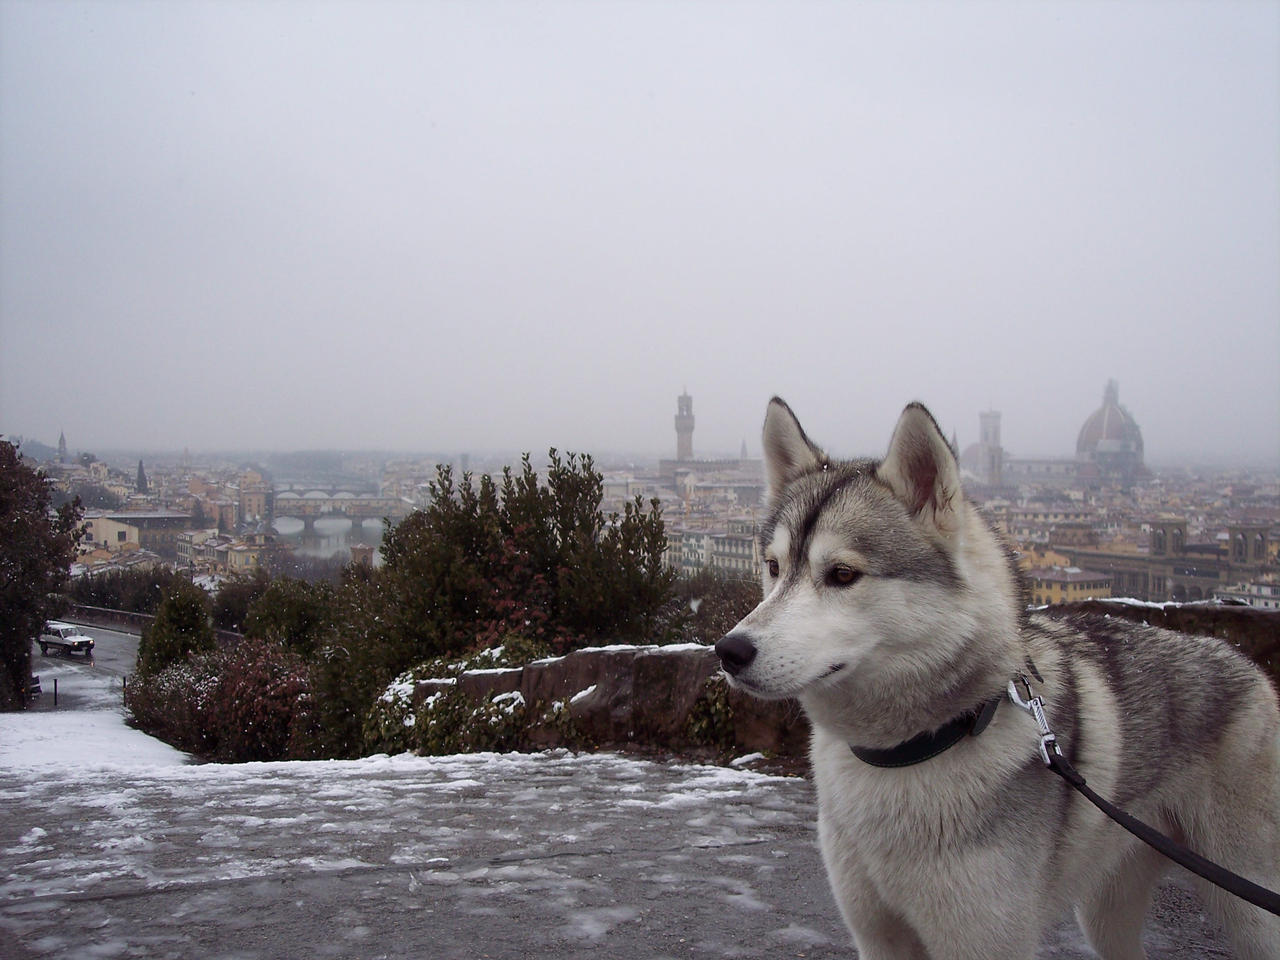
890 607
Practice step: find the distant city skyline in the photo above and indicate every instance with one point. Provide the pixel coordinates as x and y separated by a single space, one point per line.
685 408
503 227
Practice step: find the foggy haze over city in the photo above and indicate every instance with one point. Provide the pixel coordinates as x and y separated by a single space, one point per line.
507 226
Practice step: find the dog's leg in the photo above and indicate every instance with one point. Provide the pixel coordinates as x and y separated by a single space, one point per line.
1112 916
975 931
1254 933
884 936
879 932
1237 824
1251 849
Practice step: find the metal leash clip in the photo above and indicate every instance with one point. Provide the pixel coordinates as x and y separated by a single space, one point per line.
1034 705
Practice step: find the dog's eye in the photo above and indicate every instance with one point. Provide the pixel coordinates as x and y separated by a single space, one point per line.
772 566
842 576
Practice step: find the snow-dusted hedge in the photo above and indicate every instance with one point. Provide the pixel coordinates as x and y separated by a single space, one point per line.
248 702
449 722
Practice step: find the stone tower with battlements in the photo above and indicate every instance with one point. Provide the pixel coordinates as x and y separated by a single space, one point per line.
684 426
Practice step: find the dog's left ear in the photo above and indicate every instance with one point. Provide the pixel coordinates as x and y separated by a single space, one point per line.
921 469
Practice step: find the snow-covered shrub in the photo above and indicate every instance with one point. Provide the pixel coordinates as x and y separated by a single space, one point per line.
237 704
515 650
252 708
450 722
172 704
389 725
392 723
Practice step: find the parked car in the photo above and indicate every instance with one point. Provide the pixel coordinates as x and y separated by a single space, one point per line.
65 637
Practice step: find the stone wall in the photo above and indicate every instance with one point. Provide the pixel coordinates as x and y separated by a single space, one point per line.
130 622
646 697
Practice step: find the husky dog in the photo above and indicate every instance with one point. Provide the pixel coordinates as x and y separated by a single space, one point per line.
892 610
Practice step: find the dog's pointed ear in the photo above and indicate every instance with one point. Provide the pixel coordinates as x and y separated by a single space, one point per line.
921 470
788 453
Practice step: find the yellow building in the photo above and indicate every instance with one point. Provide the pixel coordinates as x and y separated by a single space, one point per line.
245 557
157 532
1034 555
1051 585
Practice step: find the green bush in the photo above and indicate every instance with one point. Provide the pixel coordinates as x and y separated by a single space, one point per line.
483 561
181 628
450 722
134 590
235 597
710 721
240 704
389 726
291 612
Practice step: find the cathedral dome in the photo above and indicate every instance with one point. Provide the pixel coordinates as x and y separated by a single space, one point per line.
1111 437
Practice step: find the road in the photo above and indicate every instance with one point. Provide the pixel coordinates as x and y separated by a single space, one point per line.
115 654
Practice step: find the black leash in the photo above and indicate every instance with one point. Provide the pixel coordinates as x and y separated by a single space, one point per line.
1219 876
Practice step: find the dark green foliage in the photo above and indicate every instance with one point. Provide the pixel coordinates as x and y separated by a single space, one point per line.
483 563
250 702
36 550
711 719
180 629
452 722
359 655
291 612
534 559
235 597
713 604
137 591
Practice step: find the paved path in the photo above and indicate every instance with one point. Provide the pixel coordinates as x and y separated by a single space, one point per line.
125 851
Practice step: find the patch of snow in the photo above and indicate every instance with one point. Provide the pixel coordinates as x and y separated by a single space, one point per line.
79 740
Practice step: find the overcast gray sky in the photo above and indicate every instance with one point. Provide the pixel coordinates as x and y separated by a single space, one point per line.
469 226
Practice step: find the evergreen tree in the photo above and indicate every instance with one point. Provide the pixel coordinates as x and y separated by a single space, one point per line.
292 613
36 550
236 597
141 484
181 628
483 565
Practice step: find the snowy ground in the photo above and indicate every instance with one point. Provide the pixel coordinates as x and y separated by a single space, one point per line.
114 845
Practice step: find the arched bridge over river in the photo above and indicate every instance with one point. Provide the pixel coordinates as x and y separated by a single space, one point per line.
309 507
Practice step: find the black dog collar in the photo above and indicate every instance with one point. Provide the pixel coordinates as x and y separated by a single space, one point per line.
928 745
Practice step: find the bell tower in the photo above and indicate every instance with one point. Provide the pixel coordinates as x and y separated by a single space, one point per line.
684 426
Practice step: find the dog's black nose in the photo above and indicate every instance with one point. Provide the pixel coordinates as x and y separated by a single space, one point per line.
736 651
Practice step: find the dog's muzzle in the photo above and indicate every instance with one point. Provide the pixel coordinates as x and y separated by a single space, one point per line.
736 651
